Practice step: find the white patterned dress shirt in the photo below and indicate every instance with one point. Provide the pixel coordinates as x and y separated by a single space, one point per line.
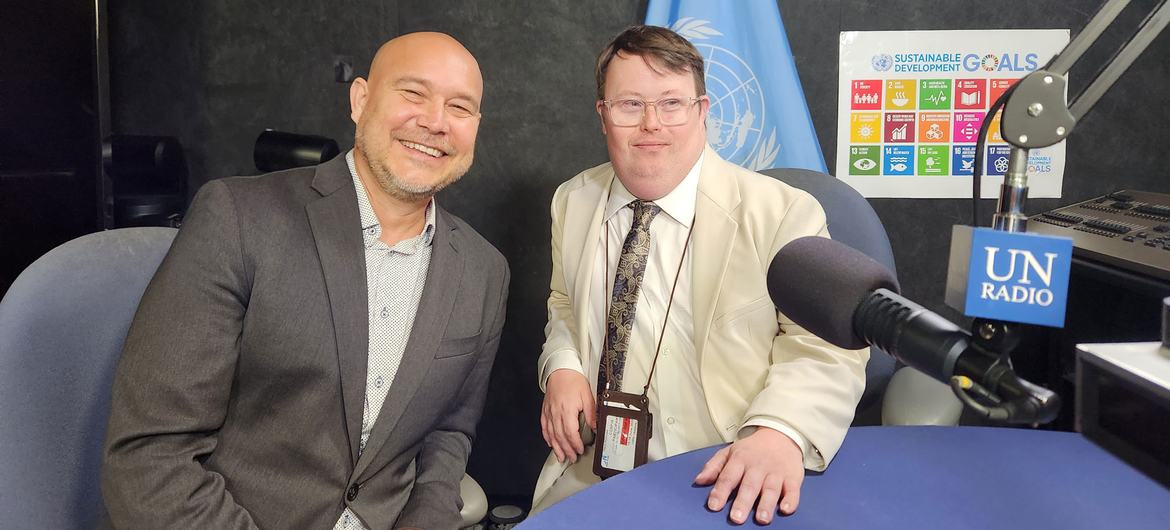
395 276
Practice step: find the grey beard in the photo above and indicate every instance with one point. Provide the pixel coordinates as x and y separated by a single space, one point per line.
392 184
401 191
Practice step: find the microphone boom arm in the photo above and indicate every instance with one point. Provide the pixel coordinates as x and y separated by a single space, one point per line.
1036 115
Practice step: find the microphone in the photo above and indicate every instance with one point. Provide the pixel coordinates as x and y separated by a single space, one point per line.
852 301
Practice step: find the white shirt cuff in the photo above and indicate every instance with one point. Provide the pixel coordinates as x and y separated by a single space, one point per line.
566 358
812 457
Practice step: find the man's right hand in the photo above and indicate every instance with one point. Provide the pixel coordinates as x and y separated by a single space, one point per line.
567 395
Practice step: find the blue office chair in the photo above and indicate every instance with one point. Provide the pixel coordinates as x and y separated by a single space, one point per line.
914 399
62 324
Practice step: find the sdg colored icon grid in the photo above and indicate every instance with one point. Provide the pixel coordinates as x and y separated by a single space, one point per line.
923 127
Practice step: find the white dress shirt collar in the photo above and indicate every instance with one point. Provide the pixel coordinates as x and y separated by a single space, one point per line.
372 228
679 204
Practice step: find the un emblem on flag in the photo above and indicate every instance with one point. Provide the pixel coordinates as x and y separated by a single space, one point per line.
736 123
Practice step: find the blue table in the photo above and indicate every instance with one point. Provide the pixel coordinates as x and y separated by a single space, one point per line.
902 477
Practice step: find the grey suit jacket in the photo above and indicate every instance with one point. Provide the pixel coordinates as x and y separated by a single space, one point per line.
238 399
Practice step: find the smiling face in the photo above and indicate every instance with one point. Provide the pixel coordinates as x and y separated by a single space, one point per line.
417 116
649 158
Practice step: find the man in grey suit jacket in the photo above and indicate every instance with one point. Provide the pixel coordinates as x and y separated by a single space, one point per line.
315 349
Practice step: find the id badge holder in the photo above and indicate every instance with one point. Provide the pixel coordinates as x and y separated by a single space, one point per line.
623 433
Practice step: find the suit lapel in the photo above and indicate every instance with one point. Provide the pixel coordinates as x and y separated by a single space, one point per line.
715 232
336 228
585 209
430 321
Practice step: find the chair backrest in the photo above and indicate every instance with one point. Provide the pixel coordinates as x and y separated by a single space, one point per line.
853 222
62 324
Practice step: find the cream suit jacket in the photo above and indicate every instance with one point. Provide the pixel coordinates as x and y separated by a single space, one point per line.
754 363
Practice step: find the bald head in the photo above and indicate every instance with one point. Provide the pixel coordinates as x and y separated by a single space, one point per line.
427 47
417 115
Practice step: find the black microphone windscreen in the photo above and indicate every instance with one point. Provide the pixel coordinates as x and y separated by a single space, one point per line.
818 283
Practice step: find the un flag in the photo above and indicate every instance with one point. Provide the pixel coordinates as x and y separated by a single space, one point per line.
759 118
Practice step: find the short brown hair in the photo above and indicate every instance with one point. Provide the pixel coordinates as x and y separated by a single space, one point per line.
661 47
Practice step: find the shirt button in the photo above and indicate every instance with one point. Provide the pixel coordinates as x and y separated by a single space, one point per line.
371 230
385 312
378 382
670 420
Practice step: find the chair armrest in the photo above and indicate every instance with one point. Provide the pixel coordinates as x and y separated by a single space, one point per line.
475 503
913 398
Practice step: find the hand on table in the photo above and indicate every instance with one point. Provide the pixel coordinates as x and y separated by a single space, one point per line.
566 395
765 464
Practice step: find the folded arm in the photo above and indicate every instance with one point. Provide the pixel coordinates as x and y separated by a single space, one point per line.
568 395
174 379
800 417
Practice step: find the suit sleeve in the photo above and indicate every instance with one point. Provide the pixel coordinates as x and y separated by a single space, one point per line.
559 344
812 386
171 389
442 459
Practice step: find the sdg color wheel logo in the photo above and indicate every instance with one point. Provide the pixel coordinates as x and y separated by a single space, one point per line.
989 63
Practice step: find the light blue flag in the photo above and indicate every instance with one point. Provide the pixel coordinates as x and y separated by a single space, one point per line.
758 117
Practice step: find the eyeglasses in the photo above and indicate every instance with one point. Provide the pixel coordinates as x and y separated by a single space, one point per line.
629 112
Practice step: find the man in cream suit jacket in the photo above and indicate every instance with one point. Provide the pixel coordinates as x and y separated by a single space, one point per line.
728 368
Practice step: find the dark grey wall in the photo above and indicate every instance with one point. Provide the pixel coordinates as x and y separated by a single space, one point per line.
216 73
